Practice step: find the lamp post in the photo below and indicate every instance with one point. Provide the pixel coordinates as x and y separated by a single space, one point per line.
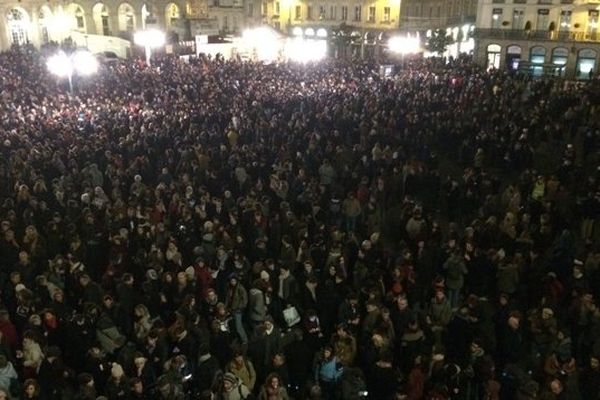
289 21
62 65
149 39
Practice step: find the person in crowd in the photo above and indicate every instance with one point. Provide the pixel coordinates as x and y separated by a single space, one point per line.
157 222
272 389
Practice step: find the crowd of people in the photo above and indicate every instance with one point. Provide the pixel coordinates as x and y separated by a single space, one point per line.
235 230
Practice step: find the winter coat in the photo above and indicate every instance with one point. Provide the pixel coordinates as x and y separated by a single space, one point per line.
345 349
265 394
455 271
440 313
257 309
237 298
32 355
328 370
507 278
245 373
7 374
238 392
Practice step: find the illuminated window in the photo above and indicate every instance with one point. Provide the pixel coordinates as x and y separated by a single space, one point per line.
496 18
372 14
565 20
386 14
518 18
298 13
17 25
357 13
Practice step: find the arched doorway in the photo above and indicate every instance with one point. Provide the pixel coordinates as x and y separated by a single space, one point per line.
493 56
537 58
513 56
126 18
172 15
17 22
586 63
77 16
148 16
560 55
44 21
101 19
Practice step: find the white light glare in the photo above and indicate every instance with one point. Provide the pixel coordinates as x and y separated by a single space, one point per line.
264 41
305 50
322 32
297 31
60 65
404 45
85 63
150 38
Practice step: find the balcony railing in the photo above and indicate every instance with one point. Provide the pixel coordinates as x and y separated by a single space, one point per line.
519 34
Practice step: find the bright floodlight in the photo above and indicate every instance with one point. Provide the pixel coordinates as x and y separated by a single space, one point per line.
297 31
150 38
404 45
309 32
263 41
85 63
60 65
305 50
322 32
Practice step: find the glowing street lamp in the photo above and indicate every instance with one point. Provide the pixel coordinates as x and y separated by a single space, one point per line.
404 45
149 39
82 61
288 3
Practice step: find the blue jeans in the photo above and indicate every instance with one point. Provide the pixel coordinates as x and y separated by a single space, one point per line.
239 326
454 297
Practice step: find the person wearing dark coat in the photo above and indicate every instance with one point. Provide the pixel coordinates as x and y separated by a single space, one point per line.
458 337
265 346
208 369
155 350
511 342
589 380
299 356
53 375
91 292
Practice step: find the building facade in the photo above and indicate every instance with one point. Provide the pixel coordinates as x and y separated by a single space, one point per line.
422 15
354 27
41 21
455 17
541 37
363 15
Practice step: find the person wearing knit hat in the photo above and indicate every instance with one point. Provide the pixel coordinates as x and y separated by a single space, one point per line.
233 388
230 378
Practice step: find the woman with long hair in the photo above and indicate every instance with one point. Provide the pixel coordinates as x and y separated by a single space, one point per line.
32 390
272 389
